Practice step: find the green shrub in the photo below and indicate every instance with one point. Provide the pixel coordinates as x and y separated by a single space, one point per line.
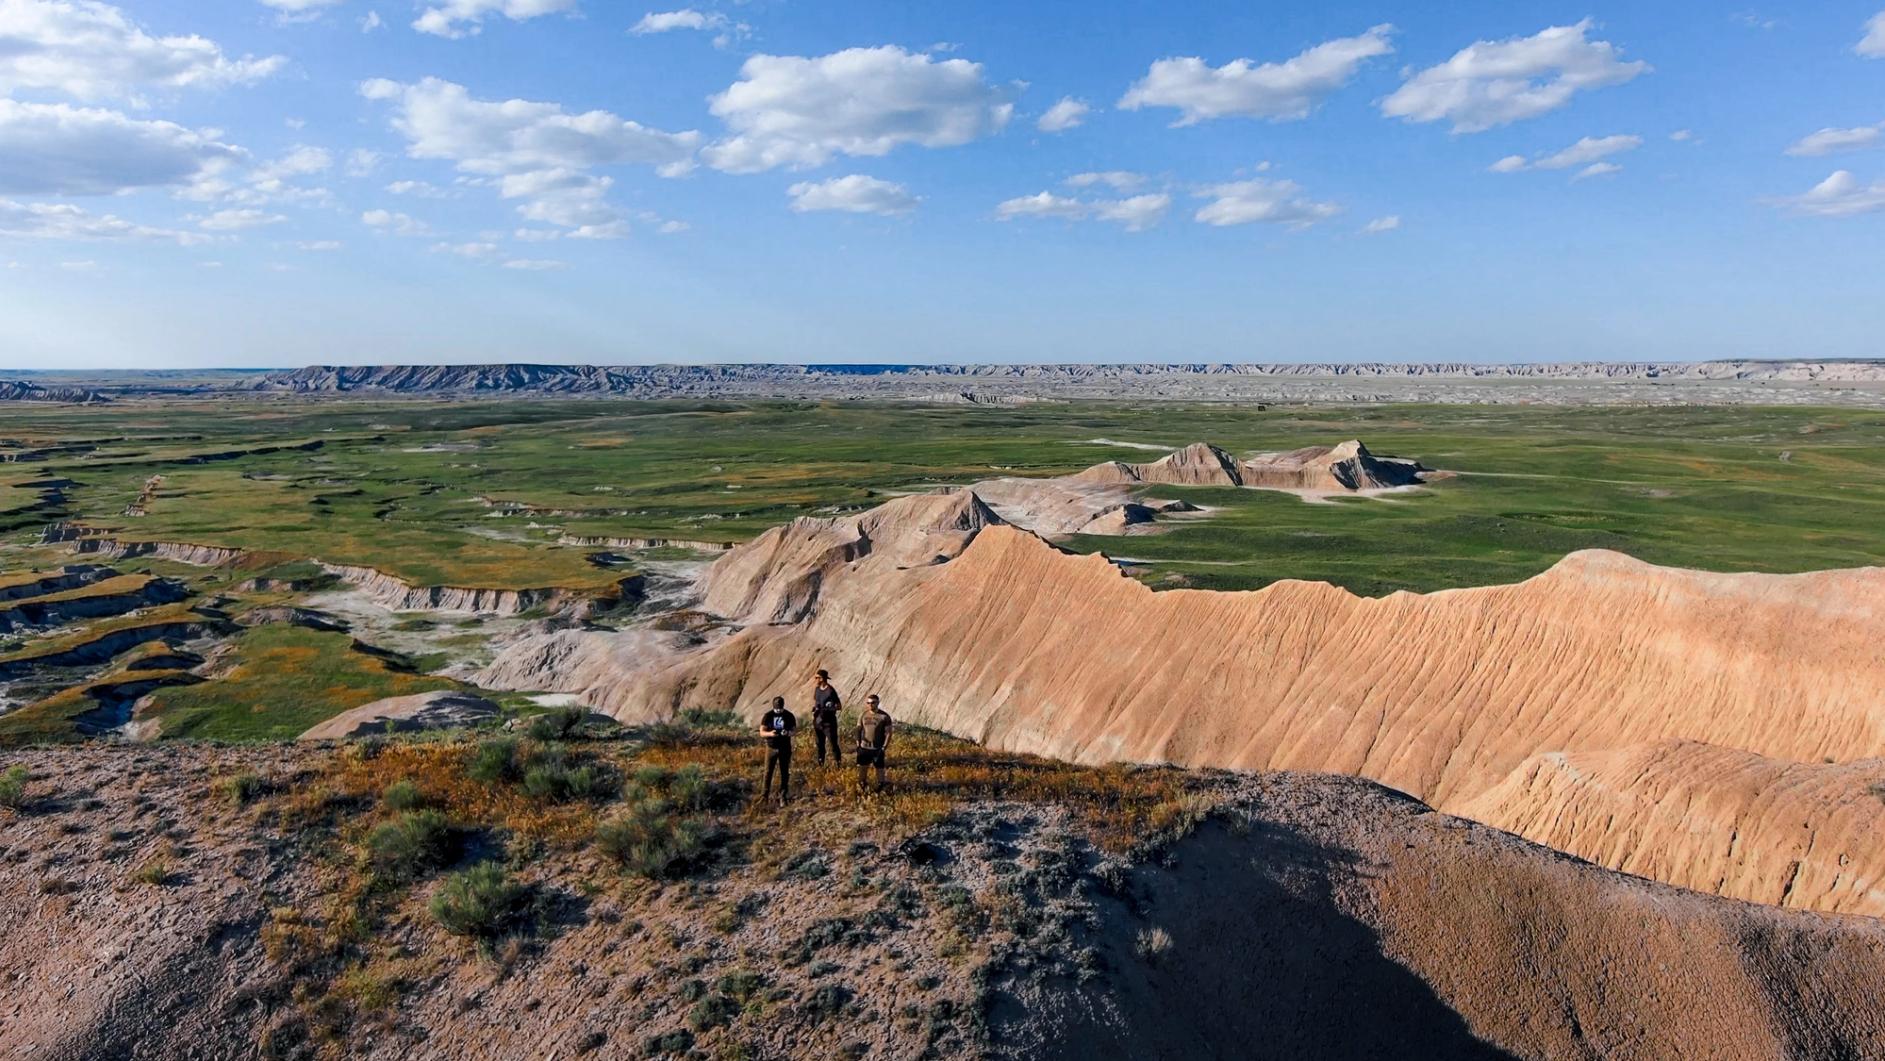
495 761
560 783
651 840
479 902
559 724
402 795
243 788
409 846
711 1012
13 787
689 789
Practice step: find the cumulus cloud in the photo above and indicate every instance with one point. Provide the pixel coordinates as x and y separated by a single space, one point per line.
1117 179
533 152
1596 169
1828 141
1136 213
1381 224
1277 91
793 111
1262 202
1840 195
1493 83
418 189
1872 45
92 51
300 161
63 221
1064 115
300 10
456 19
466 250
394 222
1586 152
57 149
855 194
235 220
686 18
535 265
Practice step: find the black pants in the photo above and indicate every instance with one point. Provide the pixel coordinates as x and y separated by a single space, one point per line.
779 759
867 758
828 731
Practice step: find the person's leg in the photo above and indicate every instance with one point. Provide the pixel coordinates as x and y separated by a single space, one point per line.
785 777
818 732
880 770
863 771
837 754
772 763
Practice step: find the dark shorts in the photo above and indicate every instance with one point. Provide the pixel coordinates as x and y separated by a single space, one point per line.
870 757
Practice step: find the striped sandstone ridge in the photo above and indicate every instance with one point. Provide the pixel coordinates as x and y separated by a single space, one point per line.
1347 466
1442 695
1792 834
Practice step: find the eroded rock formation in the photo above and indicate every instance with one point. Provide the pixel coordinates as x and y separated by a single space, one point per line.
1442 695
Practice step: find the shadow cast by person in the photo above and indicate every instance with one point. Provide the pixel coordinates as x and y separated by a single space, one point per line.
1262 961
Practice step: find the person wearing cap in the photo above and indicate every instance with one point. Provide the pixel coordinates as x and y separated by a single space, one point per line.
825 708
873 740
776 727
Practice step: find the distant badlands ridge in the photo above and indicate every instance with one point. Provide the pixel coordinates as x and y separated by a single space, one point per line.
1717 731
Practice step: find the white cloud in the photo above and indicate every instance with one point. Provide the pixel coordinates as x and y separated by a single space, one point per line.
1390 223
1262 201
1137 213
463 18
1117 179
1827 141
1840 195
792 111
466 250
418 189
669 228
370 22
1064 115
300 161
93 51
1597 169
1277 91
361 162
1588 150
236 220
535 265
396 223
1683 136
1492 83
57 149
855 194
319 246
535 152
537 235
63 221
300 10
1872 45
686 18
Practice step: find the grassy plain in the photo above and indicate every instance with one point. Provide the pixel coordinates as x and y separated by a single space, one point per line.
478 493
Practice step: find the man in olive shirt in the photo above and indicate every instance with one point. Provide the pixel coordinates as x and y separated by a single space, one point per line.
873 740
825 708
777 727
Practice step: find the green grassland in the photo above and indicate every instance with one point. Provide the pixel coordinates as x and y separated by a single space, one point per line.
409 487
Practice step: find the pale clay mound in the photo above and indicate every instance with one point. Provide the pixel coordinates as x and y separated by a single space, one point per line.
1325 917
1346 467
443 709
1443 695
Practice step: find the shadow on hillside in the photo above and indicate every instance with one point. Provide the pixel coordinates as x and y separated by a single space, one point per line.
1263 963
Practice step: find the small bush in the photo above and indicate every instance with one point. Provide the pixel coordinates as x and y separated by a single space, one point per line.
402 795
651 840
479 902
495 761
559 724
409 846
561 783
243 789
13 787
675 1042
155 872
1151 944
689 789
711 1012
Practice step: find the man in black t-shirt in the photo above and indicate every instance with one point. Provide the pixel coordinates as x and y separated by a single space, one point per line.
825 708
776 727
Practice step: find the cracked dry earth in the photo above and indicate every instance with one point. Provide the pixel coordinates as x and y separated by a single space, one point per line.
1307 914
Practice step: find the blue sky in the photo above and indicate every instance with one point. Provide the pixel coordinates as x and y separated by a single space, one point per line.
281 182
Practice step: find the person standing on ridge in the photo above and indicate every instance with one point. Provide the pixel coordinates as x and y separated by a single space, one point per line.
825 708
776 727
873 740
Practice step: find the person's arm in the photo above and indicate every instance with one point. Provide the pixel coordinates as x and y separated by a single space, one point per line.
888 726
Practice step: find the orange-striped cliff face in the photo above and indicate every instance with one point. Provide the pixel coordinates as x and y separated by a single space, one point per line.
1446 695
